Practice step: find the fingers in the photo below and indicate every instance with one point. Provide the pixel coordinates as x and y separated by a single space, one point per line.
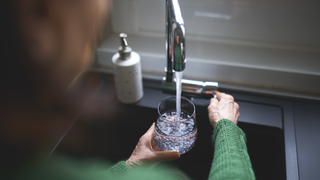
154 145
237 116
212 108
167 155
223 106
149 134
214 102
148 138
160 155
224 97
235 108
150 131
236 112
144 151
218 95
221 95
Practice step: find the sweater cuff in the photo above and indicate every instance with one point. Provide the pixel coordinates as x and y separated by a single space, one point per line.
227 124
119 168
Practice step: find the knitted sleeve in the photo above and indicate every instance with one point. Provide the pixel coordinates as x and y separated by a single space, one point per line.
231 159
118 168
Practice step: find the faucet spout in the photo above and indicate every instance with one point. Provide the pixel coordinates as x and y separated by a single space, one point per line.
175 39
176 58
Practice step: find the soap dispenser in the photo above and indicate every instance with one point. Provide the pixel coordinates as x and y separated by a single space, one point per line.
127 73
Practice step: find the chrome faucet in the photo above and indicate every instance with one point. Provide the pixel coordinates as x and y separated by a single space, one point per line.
176 59
175 37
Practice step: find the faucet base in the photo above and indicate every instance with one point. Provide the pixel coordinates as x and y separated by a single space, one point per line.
191 88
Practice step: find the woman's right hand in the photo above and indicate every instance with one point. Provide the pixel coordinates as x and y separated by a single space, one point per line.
223 107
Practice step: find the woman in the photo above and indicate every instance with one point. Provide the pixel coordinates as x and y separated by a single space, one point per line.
46 44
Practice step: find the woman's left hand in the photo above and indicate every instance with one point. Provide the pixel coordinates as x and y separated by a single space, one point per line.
147 151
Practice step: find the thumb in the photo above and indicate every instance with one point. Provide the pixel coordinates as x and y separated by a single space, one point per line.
167 155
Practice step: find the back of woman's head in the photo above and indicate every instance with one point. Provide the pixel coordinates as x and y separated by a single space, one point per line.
13 70
22 80
45 44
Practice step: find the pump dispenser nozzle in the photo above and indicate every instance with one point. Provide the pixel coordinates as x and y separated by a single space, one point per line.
124 50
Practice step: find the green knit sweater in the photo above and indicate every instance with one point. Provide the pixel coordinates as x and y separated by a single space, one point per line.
231 161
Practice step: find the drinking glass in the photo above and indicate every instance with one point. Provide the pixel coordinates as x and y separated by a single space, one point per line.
172 134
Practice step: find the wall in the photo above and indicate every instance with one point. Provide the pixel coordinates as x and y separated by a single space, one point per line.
269 46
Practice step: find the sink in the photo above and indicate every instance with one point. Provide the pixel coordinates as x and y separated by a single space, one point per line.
265 147
266 150
110 130
90 139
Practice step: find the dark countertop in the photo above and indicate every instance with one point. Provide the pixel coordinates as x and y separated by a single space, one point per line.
307 126
296 121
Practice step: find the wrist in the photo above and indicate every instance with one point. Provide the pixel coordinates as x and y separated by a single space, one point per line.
131 164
